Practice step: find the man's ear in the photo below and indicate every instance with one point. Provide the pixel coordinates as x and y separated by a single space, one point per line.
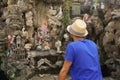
71 35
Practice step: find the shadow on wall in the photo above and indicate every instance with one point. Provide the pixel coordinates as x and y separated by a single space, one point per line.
106 72
3 76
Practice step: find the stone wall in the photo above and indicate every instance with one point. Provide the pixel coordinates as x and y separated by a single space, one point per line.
104 29
43 19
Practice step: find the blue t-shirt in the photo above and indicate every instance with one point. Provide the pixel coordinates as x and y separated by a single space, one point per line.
85 60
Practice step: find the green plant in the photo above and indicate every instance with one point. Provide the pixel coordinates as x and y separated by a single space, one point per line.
65 20
66 13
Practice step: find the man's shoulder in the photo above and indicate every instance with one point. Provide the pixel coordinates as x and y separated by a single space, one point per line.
81 41
91 41
72 43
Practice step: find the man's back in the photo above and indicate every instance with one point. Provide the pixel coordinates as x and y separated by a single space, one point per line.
85 60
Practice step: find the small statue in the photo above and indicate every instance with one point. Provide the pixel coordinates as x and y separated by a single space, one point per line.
58 45
51 11
66 37
24 33
29 18
59 15
28 46
9 45
46 45
13 40
102 5
86 17
18 41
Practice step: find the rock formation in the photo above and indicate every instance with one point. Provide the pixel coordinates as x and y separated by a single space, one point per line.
37 27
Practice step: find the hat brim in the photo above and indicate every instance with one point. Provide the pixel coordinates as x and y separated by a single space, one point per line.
71 31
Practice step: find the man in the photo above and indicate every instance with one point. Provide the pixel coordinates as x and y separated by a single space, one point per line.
82 58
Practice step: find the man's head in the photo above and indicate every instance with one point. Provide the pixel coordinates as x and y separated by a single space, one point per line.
78 28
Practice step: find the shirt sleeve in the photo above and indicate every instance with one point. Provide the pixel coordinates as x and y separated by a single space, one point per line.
69 56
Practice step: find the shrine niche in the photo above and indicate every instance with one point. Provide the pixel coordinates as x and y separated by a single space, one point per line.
34 27
39 36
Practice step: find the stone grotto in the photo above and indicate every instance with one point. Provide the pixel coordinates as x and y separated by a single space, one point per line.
33 35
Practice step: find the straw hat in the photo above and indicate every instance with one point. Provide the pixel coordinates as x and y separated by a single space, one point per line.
78 28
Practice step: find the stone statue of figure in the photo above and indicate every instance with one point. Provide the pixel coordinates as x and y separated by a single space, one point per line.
18 41
59 15
47 45
28 46
9 45
55 19
58 45
102 5
24 33
29 18
51 11
66 37
86 17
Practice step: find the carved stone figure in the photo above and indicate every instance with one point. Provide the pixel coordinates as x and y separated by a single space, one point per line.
102 6
24 33
66 37
59 15
9 45
47 45
58 45
86 17
18 41
28 47
54 19
52 11
29 18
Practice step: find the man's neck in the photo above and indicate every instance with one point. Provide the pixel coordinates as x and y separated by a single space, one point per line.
75 38
78 38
